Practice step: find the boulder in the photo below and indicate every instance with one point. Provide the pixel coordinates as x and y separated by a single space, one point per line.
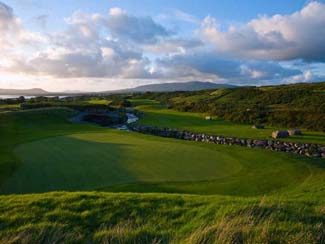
280 134
294 132
258 126
260 143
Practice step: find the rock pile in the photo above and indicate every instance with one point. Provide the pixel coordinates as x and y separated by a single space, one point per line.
310 150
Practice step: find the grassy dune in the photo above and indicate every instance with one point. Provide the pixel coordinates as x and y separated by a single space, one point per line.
158 115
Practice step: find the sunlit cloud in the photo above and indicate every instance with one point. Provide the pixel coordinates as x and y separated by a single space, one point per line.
119 49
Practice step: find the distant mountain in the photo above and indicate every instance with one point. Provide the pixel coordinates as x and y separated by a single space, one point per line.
164 87
33 91
177 86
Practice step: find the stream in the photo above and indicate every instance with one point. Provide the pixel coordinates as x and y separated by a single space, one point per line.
131 119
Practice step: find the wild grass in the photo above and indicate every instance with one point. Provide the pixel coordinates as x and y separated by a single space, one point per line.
158 218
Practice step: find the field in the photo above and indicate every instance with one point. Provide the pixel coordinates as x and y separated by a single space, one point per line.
221 194
158 115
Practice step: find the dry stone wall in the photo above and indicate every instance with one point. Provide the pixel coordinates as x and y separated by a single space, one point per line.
307 149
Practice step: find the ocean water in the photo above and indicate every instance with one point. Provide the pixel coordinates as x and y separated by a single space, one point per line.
26 97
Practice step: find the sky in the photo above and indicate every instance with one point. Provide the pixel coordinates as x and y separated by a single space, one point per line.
100 45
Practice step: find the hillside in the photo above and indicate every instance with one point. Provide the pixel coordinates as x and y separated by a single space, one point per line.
174 86
298 105
34 91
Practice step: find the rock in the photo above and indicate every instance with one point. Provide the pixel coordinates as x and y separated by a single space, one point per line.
311 150
294 132
258 127
280 134
260 143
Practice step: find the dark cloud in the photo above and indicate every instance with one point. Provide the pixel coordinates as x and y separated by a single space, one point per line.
232 70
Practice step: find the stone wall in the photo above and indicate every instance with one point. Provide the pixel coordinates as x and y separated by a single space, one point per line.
307 149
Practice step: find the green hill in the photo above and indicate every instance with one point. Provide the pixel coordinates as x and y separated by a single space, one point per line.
297 105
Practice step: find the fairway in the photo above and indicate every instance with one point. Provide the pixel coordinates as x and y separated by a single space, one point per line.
124 161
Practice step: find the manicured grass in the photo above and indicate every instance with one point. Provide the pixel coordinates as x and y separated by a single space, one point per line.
122 161
20 127
99 101
9 107
90 161
158 115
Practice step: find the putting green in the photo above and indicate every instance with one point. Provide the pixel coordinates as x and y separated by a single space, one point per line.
124 161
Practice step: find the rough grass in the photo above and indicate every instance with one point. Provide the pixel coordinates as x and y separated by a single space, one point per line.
158 218
158 115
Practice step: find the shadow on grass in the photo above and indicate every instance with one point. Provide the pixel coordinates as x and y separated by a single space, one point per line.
68 163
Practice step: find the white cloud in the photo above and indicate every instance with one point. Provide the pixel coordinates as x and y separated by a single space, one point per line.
119 46
300 35
306 76
125 27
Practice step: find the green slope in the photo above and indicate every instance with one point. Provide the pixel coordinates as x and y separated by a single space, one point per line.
158 115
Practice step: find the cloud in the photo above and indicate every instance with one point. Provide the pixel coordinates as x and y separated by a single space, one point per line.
300 35
9 25
233 71
119 46
186 17
81 50
123 26
41 20
173 46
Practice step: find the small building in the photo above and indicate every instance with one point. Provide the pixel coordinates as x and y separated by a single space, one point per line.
280 134
294 132
258 126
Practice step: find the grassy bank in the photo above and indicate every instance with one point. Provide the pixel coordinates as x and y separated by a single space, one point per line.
158 218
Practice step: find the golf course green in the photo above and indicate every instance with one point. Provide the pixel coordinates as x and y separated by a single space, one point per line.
107 186
93 161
